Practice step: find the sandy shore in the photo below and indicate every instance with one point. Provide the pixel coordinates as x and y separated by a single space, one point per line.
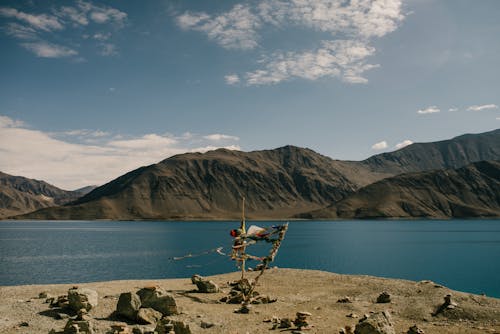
296 290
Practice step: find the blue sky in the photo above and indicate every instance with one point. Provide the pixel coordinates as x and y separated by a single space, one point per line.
92 89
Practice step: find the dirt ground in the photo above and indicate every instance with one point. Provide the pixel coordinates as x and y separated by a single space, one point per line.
296 290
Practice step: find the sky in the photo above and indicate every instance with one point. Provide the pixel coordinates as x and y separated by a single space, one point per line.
90 90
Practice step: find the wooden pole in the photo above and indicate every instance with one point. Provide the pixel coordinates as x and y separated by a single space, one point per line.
243 231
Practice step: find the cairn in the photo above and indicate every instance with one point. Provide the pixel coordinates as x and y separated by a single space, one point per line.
301 320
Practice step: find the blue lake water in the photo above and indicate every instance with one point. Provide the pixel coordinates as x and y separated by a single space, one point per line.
461 254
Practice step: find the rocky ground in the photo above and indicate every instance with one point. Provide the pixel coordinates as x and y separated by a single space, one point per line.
334 301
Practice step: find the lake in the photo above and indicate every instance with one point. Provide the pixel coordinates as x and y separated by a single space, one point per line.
461 254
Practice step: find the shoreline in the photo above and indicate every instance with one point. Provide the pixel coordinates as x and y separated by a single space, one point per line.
313 291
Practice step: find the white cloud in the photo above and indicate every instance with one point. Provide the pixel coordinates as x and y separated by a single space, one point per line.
43 22
453 109
364 18
30 27
348 22
235 29
70 165
102 36
232 79
482 107
380 145
47 50
221 137
20 31
86 133
429 110
341 58
108 49
404 143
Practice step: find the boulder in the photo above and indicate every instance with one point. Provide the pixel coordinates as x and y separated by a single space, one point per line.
384 297
204 285
377 323
158 299
79 298
148 316
128 305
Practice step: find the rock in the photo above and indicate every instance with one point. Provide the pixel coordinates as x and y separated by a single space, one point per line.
449 303
62 316
61 301
143 330
78 327
376 323
169 326
82 314
285 323
158 299
301 320
120 329
180 327
82 298
384 297
148 316
352 315
415 330
344 300
204 285
44 295
205 324
24 324
128 305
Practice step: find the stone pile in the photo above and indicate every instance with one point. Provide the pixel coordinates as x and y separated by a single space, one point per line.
448 304
242 293
79 301
301 320
146 306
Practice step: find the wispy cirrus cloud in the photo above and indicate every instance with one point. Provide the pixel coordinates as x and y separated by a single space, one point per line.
48 50
38 21
235 29
344 59
38 32
70 159
482 107
232 79
429 110
350 23
380 145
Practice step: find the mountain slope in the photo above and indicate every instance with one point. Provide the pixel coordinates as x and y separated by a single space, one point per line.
276 183
20 195
453 153
471 191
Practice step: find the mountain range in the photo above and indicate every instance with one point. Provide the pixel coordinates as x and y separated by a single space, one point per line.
21 195
459 177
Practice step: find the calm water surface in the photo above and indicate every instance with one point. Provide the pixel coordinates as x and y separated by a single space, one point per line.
463 255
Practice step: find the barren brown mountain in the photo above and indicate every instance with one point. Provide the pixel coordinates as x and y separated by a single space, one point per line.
471 191
21 195
277 184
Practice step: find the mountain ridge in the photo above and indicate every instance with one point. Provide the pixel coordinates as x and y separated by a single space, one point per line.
285 182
